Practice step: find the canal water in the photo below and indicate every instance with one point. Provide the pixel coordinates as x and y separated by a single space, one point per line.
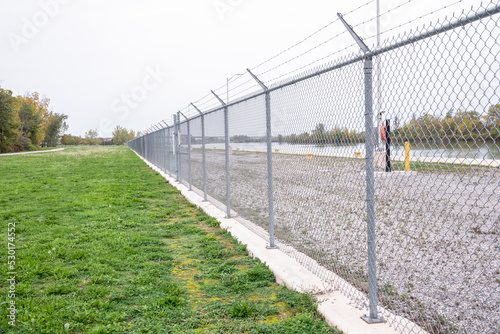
468 150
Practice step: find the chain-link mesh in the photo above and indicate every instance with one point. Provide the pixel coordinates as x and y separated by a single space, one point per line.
248 162
215 155
437 226
318 125
185 152
197 155
435 179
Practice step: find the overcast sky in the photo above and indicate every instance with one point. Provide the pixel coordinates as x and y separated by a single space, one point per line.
133 63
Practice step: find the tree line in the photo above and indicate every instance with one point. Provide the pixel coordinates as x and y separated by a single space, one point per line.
454 126
28 122
120 136
320 135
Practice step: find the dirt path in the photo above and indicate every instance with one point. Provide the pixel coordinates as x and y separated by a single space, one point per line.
30 152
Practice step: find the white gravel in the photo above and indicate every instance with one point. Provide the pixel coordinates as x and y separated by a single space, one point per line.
437 233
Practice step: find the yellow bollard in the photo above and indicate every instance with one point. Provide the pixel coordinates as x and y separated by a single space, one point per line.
276 150
309 155
357 154
407 156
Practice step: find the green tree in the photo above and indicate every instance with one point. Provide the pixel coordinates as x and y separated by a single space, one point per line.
30 126
493 121
8 124
91 137
40 118
68 139
122 135
318 134
469 125
55 127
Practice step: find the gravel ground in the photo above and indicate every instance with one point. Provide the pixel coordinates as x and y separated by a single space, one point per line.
437 233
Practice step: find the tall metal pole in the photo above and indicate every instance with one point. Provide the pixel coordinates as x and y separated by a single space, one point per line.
370 181
378 140
204 155
226 140
269 161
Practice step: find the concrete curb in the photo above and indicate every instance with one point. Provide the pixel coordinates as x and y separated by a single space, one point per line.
336 308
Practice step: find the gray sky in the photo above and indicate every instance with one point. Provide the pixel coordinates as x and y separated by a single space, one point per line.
133 63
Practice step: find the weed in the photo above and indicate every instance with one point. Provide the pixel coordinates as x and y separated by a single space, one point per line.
242 309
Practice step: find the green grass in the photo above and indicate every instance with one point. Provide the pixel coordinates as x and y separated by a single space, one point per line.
105 245
443 168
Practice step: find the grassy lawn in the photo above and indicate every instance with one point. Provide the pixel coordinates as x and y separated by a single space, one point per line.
104 245
443 168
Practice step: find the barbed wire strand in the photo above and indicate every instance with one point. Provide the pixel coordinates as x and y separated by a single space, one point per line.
311 63
308 37
284 51
415 19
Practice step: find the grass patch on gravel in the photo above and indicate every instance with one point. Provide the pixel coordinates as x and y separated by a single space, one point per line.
104 245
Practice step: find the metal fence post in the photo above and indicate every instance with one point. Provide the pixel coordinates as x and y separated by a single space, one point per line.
157 148
204 156
169 156
269 161
165 148
189 150
370 180
152 147
226 140
179 144
143 146
170 149
189 155
154 157
175 149
162 152
370 194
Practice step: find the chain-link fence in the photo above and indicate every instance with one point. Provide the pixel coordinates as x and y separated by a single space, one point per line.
383 168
